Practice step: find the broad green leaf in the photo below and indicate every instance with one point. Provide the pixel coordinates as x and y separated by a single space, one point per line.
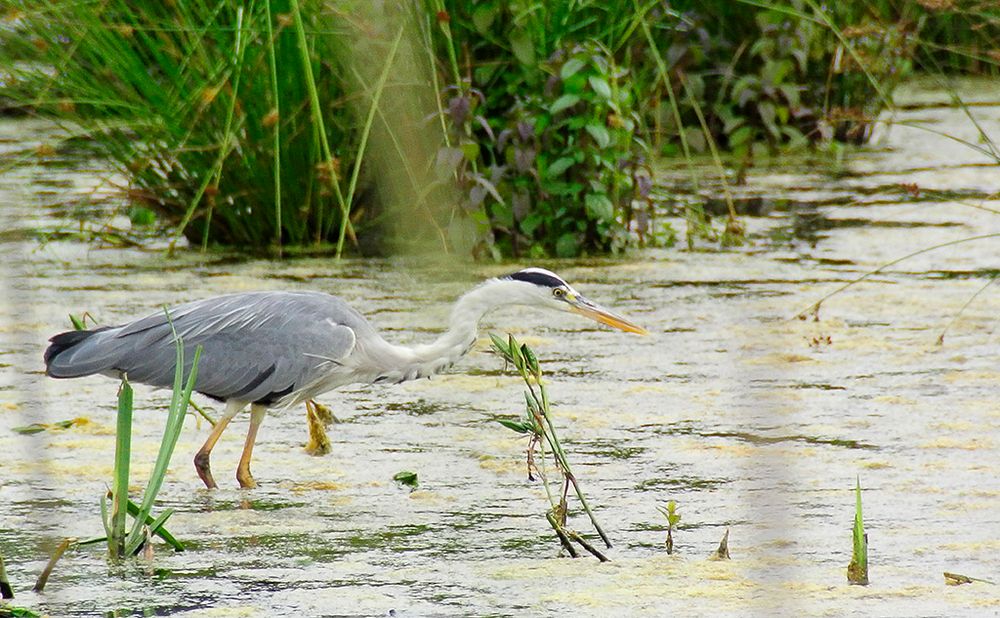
560 165
599 207
530 223
483 16
740 136
470 150
600 86
600 134
563 102
575 83
521 45
572 66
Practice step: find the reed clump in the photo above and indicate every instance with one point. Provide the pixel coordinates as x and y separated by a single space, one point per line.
226 118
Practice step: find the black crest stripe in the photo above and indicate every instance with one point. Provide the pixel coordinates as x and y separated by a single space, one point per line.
537 278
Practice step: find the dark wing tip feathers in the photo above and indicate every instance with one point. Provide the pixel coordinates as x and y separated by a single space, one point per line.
537 277
62 342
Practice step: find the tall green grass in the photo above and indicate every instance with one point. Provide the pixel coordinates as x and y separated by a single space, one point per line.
261 125
228 119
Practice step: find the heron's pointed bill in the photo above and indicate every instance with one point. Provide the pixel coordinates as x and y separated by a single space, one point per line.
596 312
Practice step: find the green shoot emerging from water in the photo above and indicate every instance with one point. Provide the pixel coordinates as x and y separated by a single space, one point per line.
673 518
857 571
537 424
121 544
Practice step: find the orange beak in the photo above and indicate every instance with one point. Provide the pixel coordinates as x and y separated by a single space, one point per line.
595 312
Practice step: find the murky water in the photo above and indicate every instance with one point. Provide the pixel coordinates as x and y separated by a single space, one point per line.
751 420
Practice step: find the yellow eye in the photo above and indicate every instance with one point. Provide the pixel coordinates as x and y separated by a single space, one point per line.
559 292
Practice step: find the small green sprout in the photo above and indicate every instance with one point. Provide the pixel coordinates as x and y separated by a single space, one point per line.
673 518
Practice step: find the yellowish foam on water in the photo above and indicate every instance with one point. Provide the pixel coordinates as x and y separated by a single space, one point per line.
966 443
307 486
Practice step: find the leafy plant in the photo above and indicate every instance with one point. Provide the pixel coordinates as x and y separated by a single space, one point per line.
536 423
545 134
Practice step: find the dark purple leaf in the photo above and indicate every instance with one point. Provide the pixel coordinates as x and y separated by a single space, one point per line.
524 159
497 172
525 130
643 185
550 85
448 160
485 125
476 196
503 137
458 109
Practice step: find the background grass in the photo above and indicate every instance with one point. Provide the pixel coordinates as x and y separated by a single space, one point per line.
500 127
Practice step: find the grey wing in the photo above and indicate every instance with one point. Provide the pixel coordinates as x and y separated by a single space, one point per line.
256 347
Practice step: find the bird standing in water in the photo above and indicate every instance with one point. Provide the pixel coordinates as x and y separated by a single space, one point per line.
277 349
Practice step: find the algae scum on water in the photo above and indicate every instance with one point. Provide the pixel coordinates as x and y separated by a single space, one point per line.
750 420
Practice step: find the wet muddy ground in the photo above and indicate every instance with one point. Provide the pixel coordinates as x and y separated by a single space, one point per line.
752 420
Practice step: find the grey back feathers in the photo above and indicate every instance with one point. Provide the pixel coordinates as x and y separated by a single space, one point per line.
256 347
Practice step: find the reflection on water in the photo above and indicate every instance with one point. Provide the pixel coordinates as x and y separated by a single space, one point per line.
750 420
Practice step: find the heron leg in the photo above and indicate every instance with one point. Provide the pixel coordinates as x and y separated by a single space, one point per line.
202 459
257 413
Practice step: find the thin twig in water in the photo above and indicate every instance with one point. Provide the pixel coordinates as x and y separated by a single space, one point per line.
940 340
43 578
814 308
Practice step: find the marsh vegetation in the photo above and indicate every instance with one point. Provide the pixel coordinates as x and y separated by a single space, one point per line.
816 161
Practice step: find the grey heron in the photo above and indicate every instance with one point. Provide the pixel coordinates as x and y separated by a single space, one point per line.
277 349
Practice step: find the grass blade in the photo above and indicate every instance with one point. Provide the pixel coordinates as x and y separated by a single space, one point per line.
175 421
857 571
123 453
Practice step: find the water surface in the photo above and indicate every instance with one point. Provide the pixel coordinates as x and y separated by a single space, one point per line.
753 421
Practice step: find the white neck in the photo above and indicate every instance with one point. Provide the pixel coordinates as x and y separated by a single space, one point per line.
401 363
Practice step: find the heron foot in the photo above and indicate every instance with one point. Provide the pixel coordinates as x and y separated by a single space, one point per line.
245 479
203 466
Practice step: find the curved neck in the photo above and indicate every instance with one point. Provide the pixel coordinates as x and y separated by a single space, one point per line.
401 363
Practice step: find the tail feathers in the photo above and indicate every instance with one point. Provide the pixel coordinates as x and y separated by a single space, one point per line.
58 356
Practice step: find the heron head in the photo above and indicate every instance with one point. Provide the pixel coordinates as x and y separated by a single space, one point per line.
545 288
